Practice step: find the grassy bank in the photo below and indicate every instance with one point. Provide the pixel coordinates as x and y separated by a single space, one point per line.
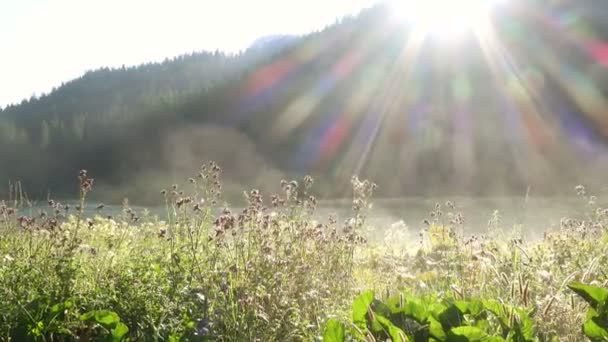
271 272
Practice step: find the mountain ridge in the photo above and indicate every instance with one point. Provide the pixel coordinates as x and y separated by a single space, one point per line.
334 103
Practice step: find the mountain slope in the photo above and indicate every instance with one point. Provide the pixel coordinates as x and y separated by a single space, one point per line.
360 97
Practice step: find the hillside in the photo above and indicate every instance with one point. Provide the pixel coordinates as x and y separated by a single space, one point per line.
360 97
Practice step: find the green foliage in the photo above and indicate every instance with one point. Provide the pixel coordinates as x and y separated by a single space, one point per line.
334 331
199 275
109 320
123 123
595 326
407 318
276 270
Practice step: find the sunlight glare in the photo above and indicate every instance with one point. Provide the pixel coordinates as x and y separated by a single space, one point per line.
444 18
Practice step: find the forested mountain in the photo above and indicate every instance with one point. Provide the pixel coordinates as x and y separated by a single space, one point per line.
363 96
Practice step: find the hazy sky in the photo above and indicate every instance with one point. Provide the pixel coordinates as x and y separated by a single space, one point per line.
45 42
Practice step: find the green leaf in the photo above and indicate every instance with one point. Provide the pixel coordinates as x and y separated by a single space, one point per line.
87 316
436 330
57 308
68 304
475 308
500 310
360 308
396 334
591 294
594 327
119 333
108 319
396 303
381 308
334 331
525 324
416 310
175 338
462 305
466 334
451 317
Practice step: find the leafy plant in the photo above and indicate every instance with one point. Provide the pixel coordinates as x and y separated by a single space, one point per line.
405 318
115 330
595 326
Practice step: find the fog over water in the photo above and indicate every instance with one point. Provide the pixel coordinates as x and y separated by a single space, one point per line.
532 216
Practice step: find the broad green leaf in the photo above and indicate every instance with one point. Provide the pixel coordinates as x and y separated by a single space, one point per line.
119 333
451 317
68 304
462 305
500 310
374 325
466 334
108 319
396 303
525 326
416 310
175 338
475 307
87 316
495 307
57 308
360 308
334 331
596 329
396 334
591 294
381 308
436 330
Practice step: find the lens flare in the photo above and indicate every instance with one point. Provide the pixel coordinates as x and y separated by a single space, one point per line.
444 18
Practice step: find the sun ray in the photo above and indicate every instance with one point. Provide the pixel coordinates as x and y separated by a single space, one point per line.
296 113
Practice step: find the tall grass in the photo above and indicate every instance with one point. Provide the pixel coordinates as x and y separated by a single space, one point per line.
271 271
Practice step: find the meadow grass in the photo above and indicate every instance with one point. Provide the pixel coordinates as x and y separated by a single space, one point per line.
272 271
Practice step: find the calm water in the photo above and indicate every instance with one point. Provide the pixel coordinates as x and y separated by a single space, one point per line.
535 215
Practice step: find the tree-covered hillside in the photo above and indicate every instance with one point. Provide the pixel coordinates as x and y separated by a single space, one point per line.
521 106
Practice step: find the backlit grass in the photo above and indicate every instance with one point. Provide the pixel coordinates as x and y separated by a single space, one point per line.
272 271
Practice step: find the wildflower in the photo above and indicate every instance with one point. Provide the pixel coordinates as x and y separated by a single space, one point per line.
580 190
203 328
86 183
545 276
308 181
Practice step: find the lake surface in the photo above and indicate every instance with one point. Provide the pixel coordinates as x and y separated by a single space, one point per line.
534 215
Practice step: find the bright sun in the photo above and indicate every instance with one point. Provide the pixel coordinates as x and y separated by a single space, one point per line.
445 18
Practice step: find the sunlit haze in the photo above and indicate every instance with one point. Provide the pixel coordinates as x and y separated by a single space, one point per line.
445 18
47 42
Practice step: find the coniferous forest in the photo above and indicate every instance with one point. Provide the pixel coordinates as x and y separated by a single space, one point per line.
370 181
329 105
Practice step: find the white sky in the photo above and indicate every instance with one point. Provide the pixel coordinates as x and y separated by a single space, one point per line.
45 42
